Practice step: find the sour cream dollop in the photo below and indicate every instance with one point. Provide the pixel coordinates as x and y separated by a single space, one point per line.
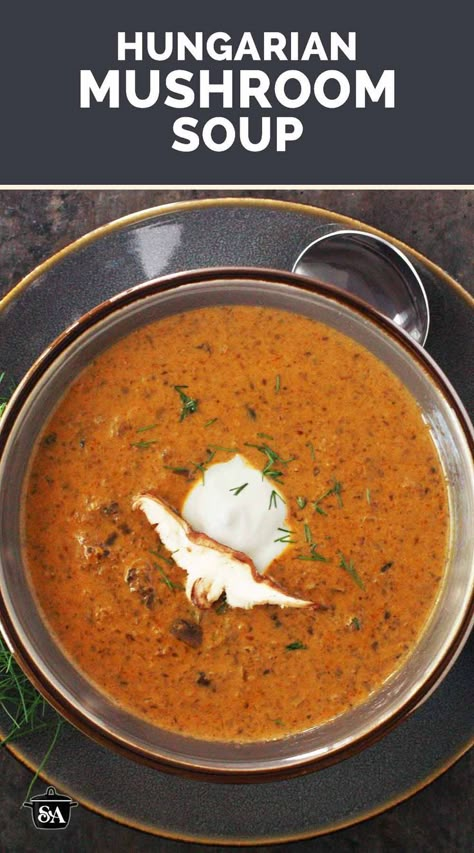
248 521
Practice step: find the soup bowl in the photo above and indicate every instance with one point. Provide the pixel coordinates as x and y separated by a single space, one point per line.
81 701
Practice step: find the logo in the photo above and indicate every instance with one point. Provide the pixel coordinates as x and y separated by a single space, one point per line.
50 810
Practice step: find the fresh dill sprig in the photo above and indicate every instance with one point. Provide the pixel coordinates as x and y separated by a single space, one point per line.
273 499
349 567
26 709
166 580
160 556
238 489
336 490
211 451
277 384
202 466
59 724
188 404
272 458
311 450
368 496
297 644
146 428
143 444
301 502
209 423
314 555
265 435
272 474
286 538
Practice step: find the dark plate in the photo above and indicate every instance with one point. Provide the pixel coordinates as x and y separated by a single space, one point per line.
222 233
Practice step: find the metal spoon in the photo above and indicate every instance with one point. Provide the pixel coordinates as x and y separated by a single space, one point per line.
372 269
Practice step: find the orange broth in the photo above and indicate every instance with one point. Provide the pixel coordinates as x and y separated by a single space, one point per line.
382 529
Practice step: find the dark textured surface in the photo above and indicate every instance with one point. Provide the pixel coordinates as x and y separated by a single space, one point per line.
439 224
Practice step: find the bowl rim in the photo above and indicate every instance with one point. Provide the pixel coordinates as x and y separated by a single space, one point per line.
39 675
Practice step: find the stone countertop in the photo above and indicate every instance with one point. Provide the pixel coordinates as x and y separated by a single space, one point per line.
440 224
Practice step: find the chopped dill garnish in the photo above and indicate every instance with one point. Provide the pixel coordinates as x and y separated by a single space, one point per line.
336 490
176 469
188 405
351 570
277 384
270 472
265 435
143 444
301 502
209 423
297 644
202 466
238 489
311 450
211 451
272 458
355 623
278 722
166 580
251 413
161 556
273 499
286 538
367 496
313 556
386 566
146 428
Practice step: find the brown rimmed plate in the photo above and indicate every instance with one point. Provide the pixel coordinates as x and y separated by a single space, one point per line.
320 801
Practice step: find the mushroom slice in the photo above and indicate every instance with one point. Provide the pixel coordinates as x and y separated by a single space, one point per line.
212 568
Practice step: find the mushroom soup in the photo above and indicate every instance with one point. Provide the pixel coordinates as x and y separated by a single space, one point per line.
236 523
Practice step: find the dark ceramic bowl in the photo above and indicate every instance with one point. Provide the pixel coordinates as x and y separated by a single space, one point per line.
79 700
